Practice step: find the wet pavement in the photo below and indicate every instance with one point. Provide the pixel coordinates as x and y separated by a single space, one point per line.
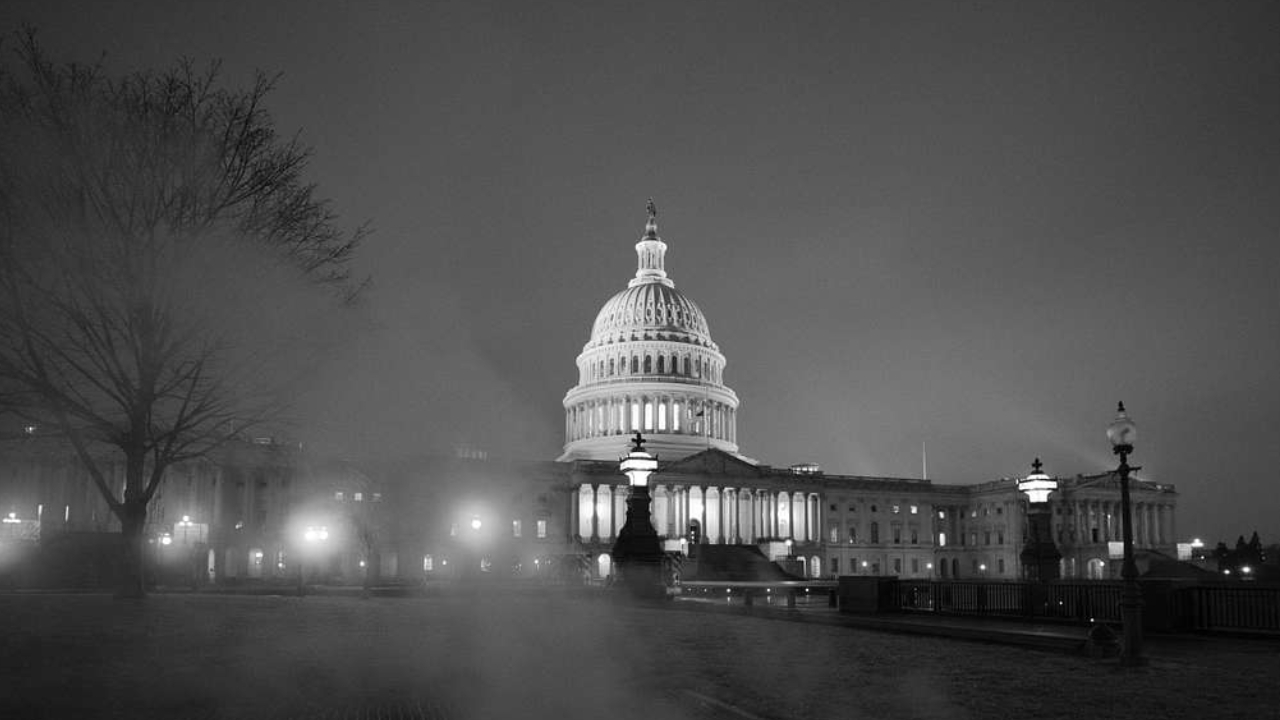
562 655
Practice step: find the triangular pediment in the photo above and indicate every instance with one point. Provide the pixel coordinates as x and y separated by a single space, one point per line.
712 461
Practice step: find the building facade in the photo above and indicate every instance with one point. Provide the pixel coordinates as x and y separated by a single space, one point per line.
258 510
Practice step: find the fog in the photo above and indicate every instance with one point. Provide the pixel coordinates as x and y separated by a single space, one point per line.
972 228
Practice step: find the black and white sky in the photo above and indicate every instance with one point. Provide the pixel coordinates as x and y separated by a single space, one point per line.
972 226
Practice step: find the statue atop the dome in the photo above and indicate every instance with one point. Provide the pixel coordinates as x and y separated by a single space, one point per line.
651 227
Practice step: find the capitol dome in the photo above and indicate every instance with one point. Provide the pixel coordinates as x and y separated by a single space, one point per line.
650 311
649 366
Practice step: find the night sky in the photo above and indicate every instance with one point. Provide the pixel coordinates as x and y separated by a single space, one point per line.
974 226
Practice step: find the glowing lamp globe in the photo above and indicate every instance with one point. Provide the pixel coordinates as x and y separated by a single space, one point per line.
1037 485
1122 432
638 466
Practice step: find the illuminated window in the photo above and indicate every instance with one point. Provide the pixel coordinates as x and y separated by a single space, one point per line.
942 539
358 497
942 514
377 497
896 509
835 533
648 416
428 563
662 414
973 513
515 528
542 529
635 416
675 417
915 509
973 538
338 496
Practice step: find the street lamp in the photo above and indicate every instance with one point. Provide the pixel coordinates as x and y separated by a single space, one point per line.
313 536
1040 557
637 553
1122 432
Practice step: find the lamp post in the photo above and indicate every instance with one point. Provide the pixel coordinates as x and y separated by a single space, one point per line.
312 537
1040 557
637 553
1122 432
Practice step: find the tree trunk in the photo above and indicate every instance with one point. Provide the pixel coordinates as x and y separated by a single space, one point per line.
133 550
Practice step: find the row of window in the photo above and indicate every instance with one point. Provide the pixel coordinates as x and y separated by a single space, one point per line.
340 496
517 529
693 367
856 566
873 568
893 509
833 534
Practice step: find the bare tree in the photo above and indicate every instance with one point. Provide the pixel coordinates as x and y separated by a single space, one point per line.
158 247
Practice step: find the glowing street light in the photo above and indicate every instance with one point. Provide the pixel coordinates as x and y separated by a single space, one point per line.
475 522
637 552
1040 558
313 536
1122 433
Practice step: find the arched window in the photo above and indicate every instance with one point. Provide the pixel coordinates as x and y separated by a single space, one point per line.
648 364
635 364
686 365
611 367
662 364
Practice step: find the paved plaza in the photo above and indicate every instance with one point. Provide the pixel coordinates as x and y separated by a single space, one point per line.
557 655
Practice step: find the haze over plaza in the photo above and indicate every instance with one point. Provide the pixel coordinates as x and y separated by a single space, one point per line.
975 228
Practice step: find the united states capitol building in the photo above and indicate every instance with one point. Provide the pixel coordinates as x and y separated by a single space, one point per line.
650 365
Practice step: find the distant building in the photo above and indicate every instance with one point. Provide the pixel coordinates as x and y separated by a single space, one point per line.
258 510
